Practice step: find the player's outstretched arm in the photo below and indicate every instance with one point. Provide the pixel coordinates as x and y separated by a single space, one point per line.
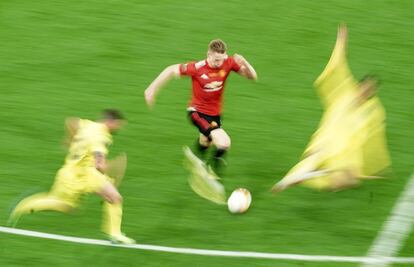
340 46
341 38
338 56
246 69
100 162
166 75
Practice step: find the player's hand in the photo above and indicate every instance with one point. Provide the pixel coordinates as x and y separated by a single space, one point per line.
101 166
240 60
342 32
149 98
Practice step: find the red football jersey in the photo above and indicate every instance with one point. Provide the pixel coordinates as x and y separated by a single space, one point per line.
208 84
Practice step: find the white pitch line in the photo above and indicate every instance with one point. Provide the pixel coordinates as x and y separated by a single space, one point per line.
396 228
206 252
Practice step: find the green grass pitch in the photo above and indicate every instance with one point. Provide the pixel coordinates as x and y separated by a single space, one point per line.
73 58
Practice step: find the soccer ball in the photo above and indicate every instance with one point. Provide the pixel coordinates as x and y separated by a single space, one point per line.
239 201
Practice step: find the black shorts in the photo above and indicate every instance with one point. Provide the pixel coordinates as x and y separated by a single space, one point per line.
205 123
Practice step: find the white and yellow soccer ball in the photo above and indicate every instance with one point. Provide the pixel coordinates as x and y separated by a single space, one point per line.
239 201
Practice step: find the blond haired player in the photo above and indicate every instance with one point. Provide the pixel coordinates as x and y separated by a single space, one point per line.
350 143
208 80
84 171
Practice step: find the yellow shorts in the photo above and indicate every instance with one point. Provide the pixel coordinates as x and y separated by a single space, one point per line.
71 182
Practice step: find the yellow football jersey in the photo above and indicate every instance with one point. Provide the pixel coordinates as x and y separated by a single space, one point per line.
351 135
370 118
90 137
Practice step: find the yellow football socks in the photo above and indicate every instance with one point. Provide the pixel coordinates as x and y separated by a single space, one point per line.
112 220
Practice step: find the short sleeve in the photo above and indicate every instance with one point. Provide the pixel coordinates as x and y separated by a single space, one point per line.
234 66
188 69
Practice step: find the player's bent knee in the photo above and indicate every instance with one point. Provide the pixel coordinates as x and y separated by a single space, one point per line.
225 145
118 199
111 194
115 197
220 139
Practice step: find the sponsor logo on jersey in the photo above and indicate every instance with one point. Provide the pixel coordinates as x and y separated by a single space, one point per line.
213 86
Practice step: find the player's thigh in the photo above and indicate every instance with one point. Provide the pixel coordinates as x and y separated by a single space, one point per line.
93 180
220 138
66 186
205 123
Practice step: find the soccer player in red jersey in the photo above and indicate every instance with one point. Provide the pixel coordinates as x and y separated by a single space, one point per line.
208 81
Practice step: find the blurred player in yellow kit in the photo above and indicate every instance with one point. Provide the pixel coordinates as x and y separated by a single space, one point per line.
85 171
350 143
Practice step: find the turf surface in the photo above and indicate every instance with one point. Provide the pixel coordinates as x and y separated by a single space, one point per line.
74 58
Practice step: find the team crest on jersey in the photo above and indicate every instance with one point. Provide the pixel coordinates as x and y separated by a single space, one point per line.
222 73
204 76
213 86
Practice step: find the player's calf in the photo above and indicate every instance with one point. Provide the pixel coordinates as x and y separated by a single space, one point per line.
222 142
202 145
